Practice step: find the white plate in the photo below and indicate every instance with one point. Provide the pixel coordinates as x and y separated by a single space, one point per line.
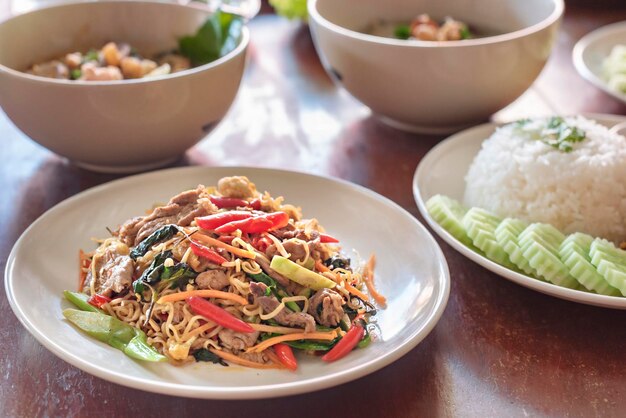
443 170
591 50
411 272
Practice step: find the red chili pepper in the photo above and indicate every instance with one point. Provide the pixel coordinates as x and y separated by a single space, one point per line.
255 204
254 225
279 219
261 243
206 252
228 202
286 357
218 315
325 239
218 219
98 300
346 344
228 239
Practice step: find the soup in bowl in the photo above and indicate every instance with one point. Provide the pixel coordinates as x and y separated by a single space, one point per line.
118 125
435 85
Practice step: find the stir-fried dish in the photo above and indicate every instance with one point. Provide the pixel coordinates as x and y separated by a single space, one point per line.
229 275
111 62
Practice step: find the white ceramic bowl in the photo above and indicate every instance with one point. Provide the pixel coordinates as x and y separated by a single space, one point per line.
119 126
435 86
591 50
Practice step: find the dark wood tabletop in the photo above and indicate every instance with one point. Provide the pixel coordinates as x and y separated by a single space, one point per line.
499 349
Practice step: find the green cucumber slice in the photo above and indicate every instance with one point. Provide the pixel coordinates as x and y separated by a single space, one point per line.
507 234
449 214
574 253
481 226
549 236
610 262
606 250
613 274
537 250
540 245
299 274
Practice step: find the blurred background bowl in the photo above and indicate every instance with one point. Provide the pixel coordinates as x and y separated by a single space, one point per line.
591 51
120 126
435 87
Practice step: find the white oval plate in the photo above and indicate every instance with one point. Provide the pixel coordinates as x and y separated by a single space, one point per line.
411 272
443 170
591 50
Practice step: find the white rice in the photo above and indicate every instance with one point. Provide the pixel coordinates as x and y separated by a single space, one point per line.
584 190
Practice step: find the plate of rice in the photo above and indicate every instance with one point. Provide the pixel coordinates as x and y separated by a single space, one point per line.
567 184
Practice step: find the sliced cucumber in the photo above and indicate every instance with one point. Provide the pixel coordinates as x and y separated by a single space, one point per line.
610 262
480 226
507 234
574 252
449 214
549 235
537 250
613 274
299 274
601 248
540 245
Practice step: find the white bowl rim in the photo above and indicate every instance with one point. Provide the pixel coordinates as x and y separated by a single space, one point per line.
580 64
243 44
559 7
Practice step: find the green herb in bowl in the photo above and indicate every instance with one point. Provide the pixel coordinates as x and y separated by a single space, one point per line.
216 37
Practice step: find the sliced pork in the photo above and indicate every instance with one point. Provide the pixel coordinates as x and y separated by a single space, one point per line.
285 317
113 269
290 231
326 307
212 279
181 210
237 341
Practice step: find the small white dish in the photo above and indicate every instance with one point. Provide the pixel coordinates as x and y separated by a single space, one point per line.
443 170
591 50
411 272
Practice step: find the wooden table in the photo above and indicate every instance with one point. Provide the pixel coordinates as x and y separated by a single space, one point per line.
499 349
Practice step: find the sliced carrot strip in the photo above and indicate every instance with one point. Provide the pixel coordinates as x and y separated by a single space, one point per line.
319 266
368 277
276 330
327 336
204 293
356 292
242 362
205 239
